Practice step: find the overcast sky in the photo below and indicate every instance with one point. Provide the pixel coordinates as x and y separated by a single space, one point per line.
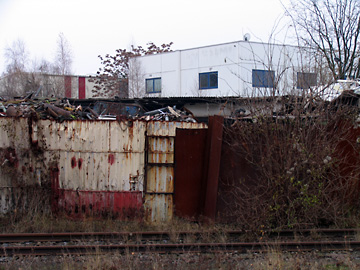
100 27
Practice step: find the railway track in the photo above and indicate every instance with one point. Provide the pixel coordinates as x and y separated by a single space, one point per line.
122 242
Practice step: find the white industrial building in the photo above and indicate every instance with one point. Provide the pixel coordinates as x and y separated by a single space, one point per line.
236 69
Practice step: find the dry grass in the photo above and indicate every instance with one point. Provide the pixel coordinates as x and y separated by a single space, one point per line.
270 260
46 222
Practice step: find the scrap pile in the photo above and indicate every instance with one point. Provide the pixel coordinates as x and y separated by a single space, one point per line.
61 109
169 114
45 109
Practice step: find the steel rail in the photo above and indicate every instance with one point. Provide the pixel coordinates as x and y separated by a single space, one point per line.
157 235
57 237
180 248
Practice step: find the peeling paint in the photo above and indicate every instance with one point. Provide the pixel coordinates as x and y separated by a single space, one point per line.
111 159
93 167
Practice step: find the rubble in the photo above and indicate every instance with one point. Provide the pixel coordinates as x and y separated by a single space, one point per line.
168 114
61 109
333 91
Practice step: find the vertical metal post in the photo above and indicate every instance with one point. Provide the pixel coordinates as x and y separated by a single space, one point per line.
214 142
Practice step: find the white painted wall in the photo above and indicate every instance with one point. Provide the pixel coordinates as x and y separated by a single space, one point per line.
52 85
179 70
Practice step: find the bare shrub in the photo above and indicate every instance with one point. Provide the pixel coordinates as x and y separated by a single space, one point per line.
294 170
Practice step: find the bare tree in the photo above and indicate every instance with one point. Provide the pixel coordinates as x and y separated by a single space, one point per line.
20 78
45 74
136 78
64 57
16 56
331 27
15 80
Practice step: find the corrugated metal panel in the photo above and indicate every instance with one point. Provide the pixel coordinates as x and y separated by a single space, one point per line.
101 167
19 167
14 133
158 207
90 156
160 150
161 179
92 164
169 128
96 155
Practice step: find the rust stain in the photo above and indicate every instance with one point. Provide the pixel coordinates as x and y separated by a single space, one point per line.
111 159
11 157
73 163
80 162
131 131
55 191
34 142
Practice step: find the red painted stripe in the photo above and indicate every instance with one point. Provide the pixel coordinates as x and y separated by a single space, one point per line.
79 203
68 86
82 93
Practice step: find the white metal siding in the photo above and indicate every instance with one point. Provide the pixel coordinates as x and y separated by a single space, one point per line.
234 62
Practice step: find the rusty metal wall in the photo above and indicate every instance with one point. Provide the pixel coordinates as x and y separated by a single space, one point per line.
92 166
159 182
89 156
20 167
101 166
97 155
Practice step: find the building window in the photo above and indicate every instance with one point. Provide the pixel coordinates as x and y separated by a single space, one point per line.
208 80
263 78
153 85
306 80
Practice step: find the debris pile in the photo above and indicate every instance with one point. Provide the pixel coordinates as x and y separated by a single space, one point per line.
61 109
169 114
45 109
334 91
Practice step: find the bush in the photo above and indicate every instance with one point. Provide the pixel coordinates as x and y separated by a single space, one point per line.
295 170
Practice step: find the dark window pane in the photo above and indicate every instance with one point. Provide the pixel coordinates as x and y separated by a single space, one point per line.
270 77
306 80
149 85
204 81
153 85
208 80
256 78
263 78
157 85
213 80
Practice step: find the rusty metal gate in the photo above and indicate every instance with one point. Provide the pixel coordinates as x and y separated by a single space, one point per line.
189 172
159 160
